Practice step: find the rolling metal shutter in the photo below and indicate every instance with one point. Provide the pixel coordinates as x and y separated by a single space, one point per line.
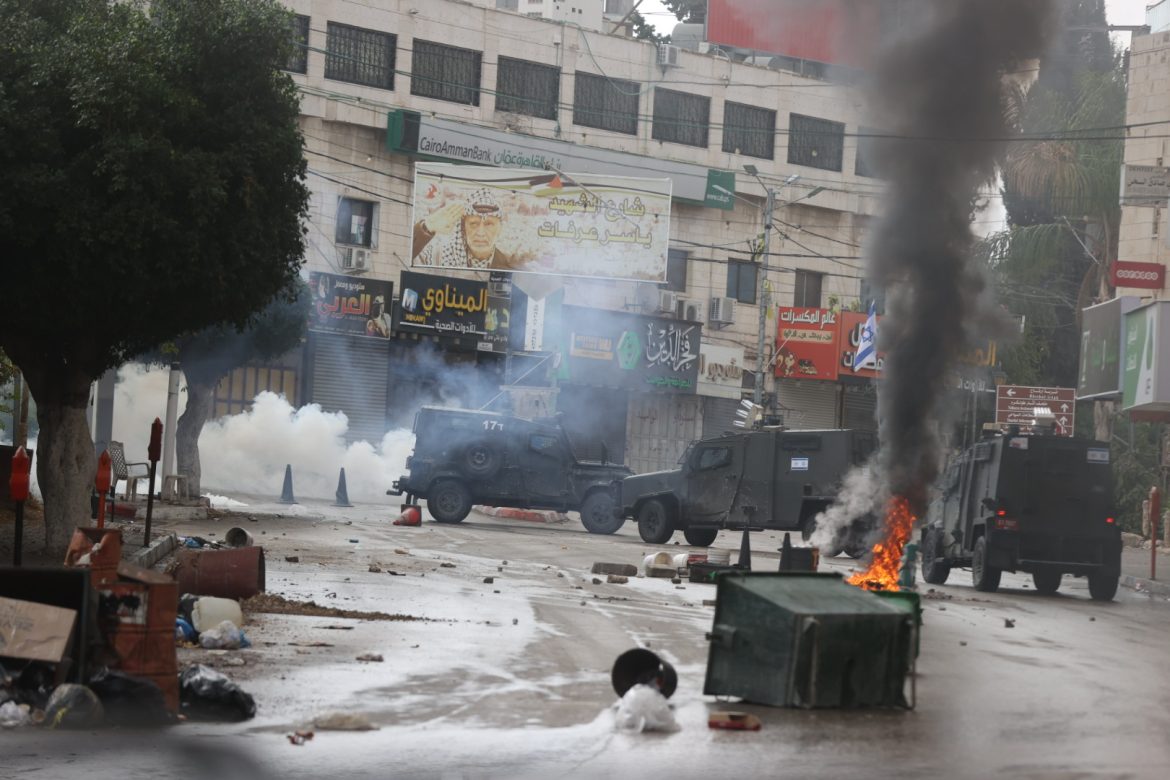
806 404
859 405
718 415
659 428
350 375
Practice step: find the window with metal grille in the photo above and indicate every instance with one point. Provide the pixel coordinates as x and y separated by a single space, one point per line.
445 72
808 289
298 60
676 269
236 391
817 143
749 130
680 118
359 56
604 103
524 87
741 281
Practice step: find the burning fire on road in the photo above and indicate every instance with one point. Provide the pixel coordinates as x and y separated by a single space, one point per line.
882 573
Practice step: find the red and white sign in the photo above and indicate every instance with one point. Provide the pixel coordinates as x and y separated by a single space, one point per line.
1149 276
1016 405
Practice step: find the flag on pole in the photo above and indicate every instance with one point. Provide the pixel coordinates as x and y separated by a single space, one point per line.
867 345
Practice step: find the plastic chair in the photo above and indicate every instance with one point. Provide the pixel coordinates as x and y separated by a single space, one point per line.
120 469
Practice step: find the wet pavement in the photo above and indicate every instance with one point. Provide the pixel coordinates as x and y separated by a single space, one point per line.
510 678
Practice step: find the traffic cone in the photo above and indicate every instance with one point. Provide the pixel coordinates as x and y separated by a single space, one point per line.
342 495
745 552
286 493
411 516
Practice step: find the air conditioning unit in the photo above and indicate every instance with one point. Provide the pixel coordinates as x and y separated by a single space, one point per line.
690 311
722 311
668 56
352 258
667 301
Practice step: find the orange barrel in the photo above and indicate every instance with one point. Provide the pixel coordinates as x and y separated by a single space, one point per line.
229 574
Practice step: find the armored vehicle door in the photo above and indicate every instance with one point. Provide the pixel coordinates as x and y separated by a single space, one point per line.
546 463
713 471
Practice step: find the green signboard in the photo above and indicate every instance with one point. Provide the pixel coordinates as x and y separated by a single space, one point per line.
720 190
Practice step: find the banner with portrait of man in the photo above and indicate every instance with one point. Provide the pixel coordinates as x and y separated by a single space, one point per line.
526 221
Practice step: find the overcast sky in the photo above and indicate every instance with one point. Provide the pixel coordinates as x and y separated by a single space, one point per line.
1120 12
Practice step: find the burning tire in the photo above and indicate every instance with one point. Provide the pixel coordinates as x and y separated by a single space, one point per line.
983 576
935 569
1047 581
701 537
855 549
599 515
655 524
481 460
449 501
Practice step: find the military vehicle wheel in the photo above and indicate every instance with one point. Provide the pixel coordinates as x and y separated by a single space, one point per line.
701 537
1047 581
655 524
449 501
1103 585
983 576
855 549
935 569
598 513
480 460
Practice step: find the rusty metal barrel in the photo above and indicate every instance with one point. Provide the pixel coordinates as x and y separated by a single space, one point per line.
230 574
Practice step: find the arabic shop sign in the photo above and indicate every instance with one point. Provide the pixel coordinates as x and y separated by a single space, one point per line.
505 219
443 306
1144 185
350 306
414 133
806 343
628 350
720 371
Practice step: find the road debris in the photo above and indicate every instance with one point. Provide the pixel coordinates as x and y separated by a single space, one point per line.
370 658
271 603
616 579
375 568
343 721
620 569
1009 623
734 721
292 558
300 737
488 580
446 565
596 580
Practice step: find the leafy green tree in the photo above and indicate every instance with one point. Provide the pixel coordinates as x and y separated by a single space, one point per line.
211 354
151 184
643 31
690 11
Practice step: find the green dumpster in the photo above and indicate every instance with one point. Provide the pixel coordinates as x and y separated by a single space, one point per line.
809 640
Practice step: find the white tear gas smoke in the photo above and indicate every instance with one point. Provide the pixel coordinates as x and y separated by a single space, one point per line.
247 453
940 101
856 499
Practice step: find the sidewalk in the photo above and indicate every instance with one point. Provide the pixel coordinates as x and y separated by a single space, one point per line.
1135 571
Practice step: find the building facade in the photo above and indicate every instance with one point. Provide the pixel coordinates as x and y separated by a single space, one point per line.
388 84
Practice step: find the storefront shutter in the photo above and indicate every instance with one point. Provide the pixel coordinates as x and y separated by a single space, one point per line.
350 375
807 404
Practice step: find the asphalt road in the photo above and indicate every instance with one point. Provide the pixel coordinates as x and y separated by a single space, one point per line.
510 678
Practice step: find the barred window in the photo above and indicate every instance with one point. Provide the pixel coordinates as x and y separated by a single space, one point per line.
817 143
749 130
524 87
298 59
359 56
680 118
607 104
445 72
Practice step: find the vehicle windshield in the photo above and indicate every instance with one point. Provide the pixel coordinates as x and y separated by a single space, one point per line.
686 456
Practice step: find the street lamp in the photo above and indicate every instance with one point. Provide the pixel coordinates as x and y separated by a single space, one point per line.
761 280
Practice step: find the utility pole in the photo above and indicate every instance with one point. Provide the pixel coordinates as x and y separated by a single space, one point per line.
762 289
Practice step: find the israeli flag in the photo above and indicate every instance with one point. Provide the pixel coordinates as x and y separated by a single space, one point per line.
867 345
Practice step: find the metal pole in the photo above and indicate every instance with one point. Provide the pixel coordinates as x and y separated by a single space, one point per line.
1155 512
168 452
761 283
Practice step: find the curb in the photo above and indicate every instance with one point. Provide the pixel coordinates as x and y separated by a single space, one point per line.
528 515
1142 585
158 549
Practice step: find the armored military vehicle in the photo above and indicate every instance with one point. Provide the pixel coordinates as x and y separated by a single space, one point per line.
463 457
764 479
1039 504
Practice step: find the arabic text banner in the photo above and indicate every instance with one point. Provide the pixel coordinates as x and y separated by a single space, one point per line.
806 343
443 306
346 304
569 224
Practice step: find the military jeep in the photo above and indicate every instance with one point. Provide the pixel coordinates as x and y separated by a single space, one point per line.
463 457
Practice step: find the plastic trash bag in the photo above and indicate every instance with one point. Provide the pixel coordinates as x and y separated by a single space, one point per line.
207 695
644 708
129 700
73 707
184 631
225 636
13 715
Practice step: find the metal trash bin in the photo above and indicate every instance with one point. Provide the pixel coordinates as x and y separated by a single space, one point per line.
810 640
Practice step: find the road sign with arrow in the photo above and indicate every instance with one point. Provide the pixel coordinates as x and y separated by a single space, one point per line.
1016 405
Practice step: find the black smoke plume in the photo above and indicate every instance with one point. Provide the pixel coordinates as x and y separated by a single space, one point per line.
939 96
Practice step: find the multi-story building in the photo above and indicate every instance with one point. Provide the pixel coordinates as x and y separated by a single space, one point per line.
388 83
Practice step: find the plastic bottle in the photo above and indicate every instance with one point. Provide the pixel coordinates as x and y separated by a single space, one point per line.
210 611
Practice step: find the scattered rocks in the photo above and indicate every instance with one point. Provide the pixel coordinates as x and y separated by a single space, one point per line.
370 657
676 580
400 551
293 558
596 581
375 568
962 643
1009 623
343 721
561 574
353 541
619 569
489 580
617 579
278 605
446 565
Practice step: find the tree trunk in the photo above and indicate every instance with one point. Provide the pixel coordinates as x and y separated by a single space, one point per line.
65 459
1103 420
200 399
